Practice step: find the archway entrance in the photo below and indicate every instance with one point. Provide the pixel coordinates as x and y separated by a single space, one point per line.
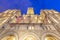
10 37
50 37
30 37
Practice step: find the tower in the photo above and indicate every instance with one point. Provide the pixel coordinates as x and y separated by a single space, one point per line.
30 11
41 17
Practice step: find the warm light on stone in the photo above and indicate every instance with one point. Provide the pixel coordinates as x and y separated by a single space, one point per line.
8 38
49 37
30 37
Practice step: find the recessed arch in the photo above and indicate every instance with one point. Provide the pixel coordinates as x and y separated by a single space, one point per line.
29 36
50 37
9 36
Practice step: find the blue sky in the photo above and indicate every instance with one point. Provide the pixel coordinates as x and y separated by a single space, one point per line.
24 4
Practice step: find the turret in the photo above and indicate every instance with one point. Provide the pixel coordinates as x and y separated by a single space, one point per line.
41 17
30 11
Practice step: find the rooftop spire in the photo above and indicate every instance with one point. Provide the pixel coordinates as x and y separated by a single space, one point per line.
30 11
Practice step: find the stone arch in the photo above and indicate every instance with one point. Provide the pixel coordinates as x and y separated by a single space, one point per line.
51 35
8 34
30 35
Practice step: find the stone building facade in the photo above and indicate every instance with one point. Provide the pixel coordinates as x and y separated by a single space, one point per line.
14 26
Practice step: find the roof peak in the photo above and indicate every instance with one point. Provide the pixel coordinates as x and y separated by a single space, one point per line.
30 11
